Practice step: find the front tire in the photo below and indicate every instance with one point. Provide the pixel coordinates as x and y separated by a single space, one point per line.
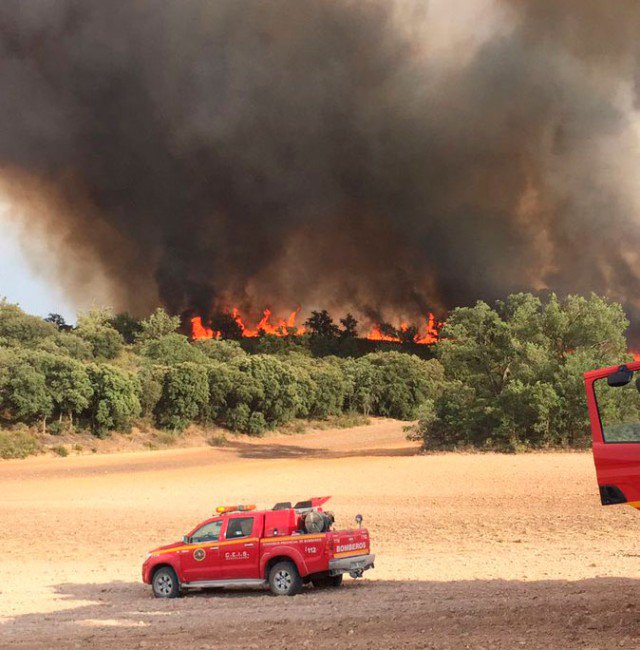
165 583
284 579
325 582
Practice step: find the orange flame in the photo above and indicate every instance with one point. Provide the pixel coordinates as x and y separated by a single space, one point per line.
285 327
199 331
427 337
282 328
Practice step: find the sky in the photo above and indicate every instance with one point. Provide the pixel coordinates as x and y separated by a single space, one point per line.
37 295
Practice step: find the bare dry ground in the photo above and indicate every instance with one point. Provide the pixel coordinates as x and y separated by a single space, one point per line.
474 551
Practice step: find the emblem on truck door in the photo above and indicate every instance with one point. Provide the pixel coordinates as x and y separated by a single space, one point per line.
199 554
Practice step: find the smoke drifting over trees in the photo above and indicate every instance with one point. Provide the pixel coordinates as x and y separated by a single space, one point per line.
381 157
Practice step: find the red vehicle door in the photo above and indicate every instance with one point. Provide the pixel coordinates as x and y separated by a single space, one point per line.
200 559
240 549
613 398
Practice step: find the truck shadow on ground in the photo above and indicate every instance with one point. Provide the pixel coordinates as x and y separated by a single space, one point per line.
599 612
279 451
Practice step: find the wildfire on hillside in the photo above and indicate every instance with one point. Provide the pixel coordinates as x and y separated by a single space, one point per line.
425 335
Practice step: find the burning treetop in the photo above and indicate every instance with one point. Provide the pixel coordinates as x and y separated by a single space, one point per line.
319 323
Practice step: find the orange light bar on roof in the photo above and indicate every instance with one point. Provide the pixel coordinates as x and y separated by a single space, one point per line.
221 510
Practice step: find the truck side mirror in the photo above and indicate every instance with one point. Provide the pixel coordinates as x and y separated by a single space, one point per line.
359 520
621 377
186 540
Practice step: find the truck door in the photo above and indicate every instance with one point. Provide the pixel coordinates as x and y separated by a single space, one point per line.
200 561
240 550
613 398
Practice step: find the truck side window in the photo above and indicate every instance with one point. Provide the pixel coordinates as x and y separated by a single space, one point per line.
208 533
619 410
241 527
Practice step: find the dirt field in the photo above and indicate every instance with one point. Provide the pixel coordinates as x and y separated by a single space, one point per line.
474 551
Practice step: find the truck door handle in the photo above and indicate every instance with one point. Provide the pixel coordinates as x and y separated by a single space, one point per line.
248 544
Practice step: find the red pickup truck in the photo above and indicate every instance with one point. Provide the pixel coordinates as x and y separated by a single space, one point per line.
613 401
282 548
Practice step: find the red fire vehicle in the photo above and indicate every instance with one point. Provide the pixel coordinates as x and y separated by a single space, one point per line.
282 548
613 400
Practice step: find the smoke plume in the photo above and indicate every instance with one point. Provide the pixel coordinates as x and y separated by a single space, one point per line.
382 157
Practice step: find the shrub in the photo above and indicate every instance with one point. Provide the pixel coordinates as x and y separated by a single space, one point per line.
60 450
18 443
394 384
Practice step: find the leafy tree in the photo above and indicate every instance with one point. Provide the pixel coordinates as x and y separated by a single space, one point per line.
20 328
128 326
68 344
401 383
151 381
115 403
23 390
95 327
159 324
281 345
515 371
58 321
349 326
321 324
227 325
407 334
185 394
67 383
219 350
268 386
170 349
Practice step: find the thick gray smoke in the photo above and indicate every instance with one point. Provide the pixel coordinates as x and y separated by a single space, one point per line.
381 157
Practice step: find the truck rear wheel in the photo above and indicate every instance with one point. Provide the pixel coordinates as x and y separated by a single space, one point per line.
284 579
165 583
323 582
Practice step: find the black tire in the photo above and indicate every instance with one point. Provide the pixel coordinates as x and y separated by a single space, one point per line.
325 582
284 579
165 583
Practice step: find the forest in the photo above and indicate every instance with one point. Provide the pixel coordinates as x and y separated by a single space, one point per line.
505 376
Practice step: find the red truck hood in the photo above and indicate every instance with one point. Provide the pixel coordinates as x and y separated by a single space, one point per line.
167 547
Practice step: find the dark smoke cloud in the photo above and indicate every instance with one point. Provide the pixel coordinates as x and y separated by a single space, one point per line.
350 154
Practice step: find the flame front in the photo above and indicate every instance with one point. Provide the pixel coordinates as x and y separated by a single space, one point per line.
199 331
286 327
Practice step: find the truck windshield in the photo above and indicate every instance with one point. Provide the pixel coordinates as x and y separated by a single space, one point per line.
619 409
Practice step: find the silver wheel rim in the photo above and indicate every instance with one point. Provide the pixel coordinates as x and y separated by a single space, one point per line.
282 580
164 584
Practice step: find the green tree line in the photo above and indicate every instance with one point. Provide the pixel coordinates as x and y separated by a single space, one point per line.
506 376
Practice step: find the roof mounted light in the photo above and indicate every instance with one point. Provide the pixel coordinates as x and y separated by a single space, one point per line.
223 510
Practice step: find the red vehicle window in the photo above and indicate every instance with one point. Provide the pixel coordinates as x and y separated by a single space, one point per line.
619 410
208 533
241 527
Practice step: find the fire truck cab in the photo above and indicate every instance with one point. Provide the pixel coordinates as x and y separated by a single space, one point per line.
613 399
282 548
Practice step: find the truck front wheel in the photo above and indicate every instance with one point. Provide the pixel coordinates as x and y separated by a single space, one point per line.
284 579
322 582
165 583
